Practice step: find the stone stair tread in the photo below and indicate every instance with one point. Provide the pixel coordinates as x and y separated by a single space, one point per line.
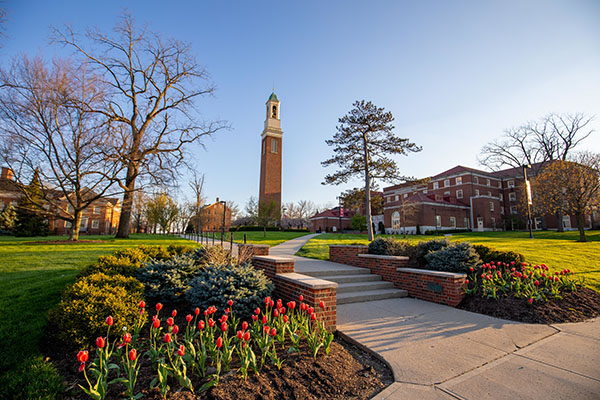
371 295
352 278
363 286
335 272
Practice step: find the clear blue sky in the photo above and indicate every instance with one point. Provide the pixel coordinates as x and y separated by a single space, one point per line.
455 74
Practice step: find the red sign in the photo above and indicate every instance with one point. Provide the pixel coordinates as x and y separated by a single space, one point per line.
341 211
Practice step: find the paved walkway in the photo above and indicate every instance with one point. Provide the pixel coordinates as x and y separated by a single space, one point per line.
439 352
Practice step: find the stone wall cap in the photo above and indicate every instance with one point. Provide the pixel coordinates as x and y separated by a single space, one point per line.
254 245
434 273
403 258
305 280
275 259
348 245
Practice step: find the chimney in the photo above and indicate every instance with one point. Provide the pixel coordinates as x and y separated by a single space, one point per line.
7 173
217 197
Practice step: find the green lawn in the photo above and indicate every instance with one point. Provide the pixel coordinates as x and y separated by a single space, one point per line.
32 277
557 250
272 238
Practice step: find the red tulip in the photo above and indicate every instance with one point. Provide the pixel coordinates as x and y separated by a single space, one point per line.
174 313
301 298
142 304
321 304
181 350
219 342
472 269
224 327
82 356
282 310
205 313
175 329
276 313
188 318
244 325
267 301
223 318
246 336
530 300
257 311
201 325
291 305
264 319
230 303
132 355
271 303
467 281
170 321
267 329
311 310
537 283
240 335
279 304
127 338
168 338
100 342
109 320
156 323
254 318
285 318
313 317
227 311
211 323
159 306
81 367
273 332
197 311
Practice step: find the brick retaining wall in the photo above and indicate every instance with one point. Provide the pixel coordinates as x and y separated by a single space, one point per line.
435 286
254 249
290 285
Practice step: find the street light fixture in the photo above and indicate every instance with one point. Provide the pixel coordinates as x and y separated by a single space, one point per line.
529 199
223 225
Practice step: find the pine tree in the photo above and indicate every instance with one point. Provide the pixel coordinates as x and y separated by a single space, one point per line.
30 218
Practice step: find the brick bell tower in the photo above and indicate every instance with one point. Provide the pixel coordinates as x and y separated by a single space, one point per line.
270 159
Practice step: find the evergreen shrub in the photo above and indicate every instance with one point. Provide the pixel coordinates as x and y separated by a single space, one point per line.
456 258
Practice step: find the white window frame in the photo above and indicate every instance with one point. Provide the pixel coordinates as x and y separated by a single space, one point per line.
447 193
438 221
501 196
96 209
436 185
459 194
489 193
488 182
466 222
389 199
68 224
510 184
84 222
405 195
491 206
512 196
397 198
476 180
446 182
513 210
458 180
95 224
476 192
395 220
453 222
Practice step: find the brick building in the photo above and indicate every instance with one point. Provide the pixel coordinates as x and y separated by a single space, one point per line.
465 198
211 217
100 218
329 220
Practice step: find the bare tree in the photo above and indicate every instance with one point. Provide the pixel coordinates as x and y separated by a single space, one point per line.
154 84
553 137
251 209
197 185
47 129
2 25
137 211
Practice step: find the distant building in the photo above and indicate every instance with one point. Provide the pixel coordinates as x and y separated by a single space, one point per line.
270 159
329 220
465 198
211 218
100 218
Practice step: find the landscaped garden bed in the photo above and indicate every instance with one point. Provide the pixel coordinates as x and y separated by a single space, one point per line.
247 346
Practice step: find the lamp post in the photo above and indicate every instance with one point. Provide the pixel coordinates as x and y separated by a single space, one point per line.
340 213
223 226
529 201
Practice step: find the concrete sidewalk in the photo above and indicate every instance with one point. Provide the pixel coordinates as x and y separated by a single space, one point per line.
440 352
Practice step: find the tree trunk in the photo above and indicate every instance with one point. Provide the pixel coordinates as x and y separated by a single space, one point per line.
580 226
125 217
368 190
265 231
74 236
559 221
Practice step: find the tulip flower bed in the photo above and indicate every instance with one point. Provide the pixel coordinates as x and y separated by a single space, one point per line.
212 354
529 293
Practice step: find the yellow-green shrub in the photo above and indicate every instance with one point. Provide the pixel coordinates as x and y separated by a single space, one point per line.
126 261
82 311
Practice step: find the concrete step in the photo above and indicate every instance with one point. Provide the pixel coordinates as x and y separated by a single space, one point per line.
338 271
352 278
360 297
363 286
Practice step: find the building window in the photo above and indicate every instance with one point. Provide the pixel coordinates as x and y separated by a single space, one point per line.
476 192
488 182
438 197
489 193
512 196
502 210
405 195
459 180
425 191
95 224
475 179
501 197
447 193
491 206
493 222
396 197
436 185
274 146
459 194
513 209
84 223
447 183
68 224
96 210
395 220
510 184
453 222
389 199
438 221
466 222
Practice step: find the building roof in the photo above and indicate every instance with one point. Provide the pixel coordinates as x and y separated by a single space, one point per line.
8 185
459 168
273 97
425 198
333 212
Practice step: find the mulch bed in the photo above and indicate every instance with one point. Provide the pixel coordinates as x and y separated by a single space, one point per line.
66 241
573 307
348 372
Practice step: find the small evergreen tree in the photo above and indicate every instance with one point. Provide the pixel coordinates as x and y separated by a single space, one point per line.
8 218
31 220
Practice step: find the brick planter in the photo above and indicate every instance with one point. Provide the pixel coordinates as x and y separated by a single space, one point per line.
290 285
435 286
254 249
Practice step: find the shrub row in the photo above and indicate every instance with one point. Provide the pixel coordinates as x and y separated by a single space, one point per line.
441 255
